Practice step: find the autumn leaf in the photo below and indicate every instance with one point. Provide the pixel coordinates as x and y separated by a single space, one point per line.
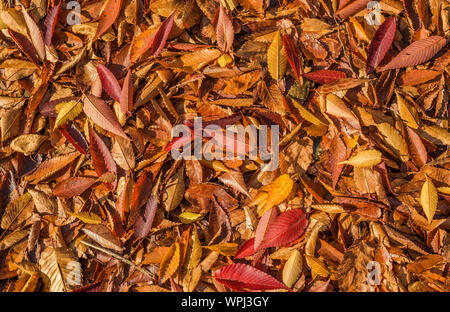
109 13
224 31
67 111
276 59
429 199
100 113
325 76
109 82
380 44
61 269
417 52
273 194
286 228
364 159
35 34
170 262
240 276
292 268
50 23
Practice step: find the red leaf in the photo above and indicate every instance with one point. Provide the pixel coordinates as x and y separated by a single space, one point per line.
380 44
263 226
417 150
109 14
325 76
224 30
73 187
293 57
101 157
50 22
35 33
109 82
286 228
141 193
239 277
145 220
247 249
100 113
126 96
159 41
417 52
25 45
75 137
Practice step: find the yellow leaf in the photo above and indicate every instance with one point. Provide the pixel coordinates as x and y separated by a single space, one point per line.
170 262
408 113
87 217
273 193
438 133
27 143
194 252
364 159
317 267
189 217
429 199
224 60
292 268
226 249
230 4
394 139
307 115
67 111
276 58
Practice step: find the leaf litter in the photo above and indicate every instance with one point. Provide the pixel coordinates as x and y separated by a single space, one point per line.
91 198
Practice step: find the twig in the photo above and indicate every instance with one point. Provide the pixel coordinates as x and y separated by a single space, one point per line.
148 273
339 35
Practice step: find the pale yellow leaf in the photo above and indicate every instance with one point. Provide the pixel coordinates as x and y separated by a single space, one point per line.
364 159
429 199
292 268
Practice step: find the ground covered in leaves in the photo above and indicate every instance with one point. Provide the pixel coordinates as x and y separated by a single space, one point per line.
91 198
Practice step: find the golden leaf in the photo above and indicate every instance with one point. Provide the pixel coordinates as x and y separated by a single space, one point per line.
317 267
174 191
67 111
170 262
429 199
12 239
226 249
364 159
408 113
276 58
189 217
61 270
394 139
292 268
16 212
87 217
273 193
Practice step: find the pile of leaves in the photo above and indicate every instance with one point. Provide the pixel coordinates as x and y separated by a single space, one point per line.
92 200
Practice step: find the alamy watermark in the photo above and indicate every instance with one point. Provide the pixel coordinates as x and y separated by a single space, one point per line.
374 276
235 142
374 16
74 15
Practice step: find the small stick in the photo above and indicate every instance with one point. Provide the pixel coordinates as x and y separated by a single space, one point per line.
148 273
